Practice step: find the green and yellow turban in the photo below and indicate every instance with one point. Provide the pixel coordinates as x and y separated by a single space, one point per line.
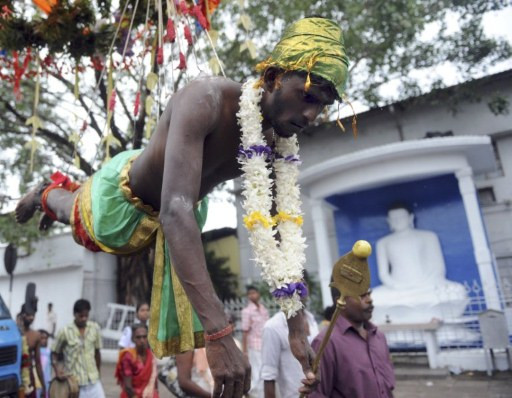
312 45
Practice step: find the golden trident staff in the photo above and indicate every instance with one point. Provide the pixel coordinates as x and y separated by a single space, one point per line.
351 277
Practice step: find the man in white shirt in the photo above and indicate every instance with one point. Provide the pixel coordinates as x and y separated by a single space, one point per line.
51 321
279 366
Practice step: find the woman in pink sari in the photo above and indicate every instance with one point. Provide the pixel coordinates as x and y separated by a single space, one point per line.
136 367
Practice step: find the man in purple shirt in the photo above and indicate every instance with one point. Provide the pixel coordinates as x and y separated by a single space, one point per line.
356 361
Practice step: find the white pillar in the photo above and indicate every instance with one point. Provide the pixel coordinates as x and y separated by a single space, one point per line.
323 248
478 237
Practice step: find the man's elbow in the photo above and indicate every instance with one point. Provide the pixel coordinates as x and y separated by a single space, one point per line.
173 214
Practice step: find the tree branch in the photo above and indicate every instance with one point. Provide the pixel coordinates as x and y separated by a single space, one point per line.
115 130
125 107
71 88
61 142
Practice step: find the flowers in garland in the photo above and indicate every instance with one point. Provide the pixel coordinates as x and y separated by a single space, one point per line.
281 262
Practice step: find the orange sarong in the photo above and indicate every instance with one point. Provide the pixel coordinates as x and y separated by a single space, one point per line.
143 374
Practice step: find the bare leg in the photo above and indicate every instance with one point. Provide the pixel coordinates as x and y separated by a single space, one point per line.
59 201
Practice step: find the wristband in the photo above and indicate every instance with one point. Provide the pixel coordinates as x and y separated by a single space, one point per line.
220 334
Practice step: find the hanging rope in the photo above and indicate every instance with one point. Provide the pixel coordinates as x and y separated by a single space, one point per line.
96 90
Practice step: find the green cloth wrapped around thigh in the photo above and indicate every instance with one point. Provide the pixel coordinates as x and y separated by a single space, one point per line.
120 223
174 326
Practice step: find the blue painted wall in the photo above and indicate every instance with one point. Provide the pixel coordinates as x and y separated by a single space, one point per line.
437 206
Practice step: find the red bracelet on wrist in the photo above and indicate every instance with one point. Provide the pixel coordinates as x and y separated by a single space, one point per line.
220 334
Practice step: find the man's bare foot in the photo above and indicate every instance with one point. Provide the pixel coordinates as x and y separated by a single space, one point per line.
28 205
45 222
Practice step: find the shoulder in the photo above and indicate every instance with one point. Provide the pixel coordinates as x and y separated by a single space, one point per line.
382 241
248 308
93 326
69 328
318 339
209 93
381 336
66 333
127 354
275 321
427 234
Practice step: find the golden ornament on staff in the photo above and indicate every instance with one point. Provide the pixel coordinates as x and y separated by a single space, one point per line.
351 277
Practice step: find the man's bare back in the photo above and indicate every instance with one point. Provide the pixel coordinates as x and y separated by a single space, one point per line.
213 102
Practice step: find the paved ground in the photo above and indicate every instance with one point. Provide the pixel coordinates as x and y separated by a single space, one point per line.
468 385
112 390
410 384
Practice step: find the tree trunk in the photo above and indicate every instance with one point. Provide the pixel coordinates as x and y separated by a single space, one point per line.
135 277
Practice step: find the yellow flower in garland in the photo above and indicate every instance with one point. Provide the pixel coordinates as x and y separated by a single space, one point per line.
255 218
283 216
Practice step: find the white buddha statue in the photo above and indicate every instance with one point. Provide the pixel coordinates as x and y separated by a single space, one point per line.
413 274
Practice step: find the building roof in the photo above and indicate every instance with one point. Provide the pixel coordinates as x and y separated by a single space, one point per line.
462 91
219 233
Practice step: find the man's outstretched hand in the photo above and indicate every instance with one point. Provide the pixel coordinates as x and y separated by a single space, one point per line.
303 352
230 369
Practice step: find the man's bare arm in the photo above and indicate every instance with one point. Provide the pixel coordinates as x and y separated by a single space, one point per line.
244 341
269 387
191 122
184 363
39 368
301 350
194 116
97 359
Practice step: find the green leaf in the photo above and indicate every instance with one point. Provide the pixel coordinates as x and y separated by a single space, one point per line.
214 65
148 129
74 137
151 81
35 122
149 104
246 22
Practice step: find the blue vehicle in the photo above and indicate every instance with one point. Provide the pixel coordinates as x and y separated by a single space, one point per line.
10 354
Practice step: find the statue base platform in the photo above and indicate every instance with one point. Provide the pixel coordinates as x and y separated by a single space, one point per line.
419 313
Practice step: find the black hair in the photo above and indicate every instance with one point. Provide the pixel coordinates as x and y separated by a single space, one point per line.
305 275
251 287
328 312
137 308
43 331
138 326
27 310
81 305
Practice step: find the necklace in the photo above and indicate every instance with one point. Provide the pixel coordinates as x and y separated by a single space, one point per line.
281 262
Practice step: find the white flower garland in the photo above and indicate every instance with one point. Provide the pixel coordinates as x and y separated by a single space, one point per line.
282 263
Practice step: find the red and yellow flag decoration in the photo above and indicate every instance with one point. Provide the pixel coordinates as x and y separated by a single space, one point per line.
45 5
207 8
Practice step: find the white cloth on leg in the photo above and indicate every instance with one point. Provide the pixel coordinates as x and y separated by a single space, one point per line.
93 390
256 380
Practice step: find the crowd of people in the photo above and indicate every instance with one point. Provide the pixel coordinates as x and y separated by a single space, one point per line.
355 363
70 366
